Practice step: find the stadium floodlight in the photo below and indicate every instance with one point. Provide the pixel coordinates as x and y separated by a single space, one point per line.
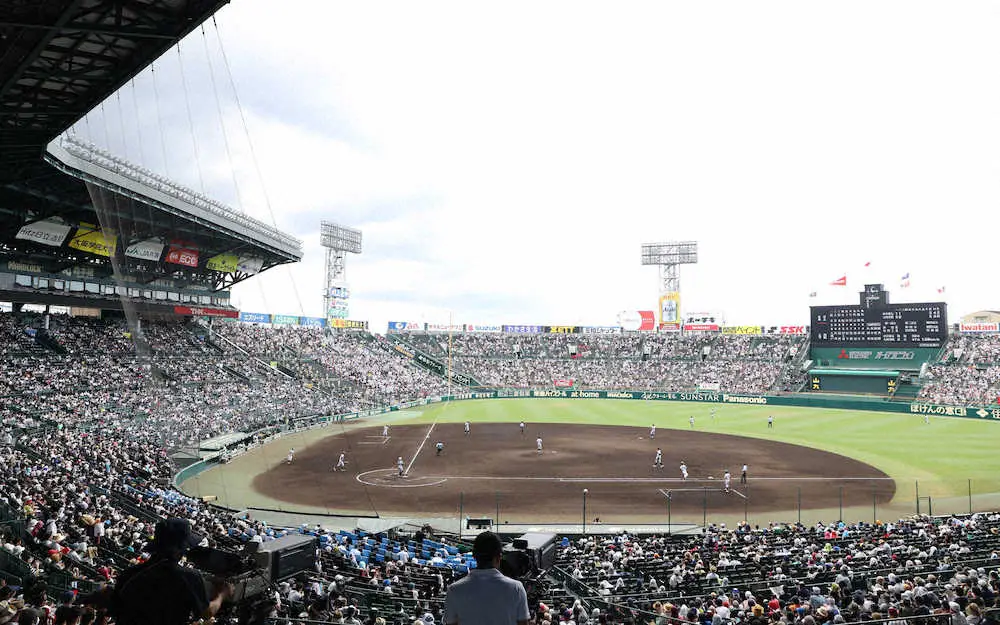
338 241
669 257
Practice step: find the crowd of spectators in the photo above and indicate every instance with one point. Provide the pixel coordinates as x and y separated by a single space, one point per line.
666 362
968 373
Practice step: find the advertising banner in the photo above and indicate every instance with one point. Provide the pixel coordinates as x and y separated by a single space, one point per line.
205 312
670 308
563 329
523 329
250 265
702 322
980 328
601 329
637 320
670 327
250 317
90 239
181 253
444 327
223 263
347 324
313 322
288 320
405 326
793 330
563 383
46 232
480 328
150 250
742 330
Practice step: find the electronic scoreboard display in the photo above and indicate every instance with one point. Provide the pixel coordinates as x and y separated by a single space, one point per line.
877 323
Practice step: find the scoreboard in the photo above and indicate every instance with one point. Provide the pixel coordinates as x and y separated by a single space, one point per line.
877 323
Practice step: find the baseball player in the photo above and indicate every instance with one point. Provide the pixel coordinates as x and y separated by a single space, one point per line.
691 421
468 428
927 419
399 465
538 444
743 475
439 447
726 478
290 456
713 414
770 422
658 460
684 471
652 432
385 431
341 463
521 425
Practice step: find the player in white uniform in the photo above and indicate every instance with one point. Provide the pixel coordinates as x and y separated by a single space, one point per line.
684 470
468 427
522 427
658 460
290 456
691 420
770 422
927 419
725 480
743 475
385 431
652 432
341 463
399 465
439 447
713 414
538 444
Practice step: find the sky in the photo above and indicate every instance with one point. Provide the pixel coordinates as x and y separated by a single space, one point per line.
505 162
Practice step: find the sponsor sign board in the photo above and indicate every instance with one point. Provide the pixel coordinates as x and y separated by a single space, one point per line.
313 322
444 327
205 312
601 329
181 253
150 250
347 324
563 329
670 327
289 320
405 326
563 383
980 328
46 232
470 327
742 330
250 317
89 238
523 329
223 263
670 308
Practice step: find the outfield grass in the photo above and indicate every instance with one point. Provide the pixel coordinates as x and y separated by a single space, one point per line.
938 458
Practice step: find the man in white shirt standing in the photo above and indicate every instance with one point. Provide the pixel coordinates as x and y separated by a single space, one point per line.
485 596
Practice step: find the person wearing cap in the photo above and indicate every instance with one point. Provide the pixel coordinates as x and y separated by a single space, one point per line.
485 596
160 591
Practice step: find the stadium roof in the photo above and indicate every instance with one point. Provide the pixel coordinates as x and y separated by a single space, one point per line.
58 60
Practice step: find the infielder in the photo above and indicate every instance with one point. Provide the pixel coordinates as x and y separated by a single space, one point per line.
522 427
726 480
658 460
468 428
385 431
684 471
341 463
652 432
290 456
538 444
399 465
439 447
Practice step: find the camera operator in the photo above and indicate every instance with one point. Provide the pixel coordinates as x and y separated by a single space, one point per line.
161 591
485 596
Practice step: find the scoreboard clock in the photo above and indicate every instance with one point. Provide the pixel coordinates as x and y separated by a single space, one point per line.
877 323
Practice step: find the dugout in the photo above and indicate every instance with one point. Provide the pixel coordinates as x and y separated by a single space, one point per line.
867 381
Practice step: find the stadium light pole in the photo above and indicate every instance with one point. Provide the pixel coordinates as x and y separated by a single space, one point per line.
668 257
585 491
338 241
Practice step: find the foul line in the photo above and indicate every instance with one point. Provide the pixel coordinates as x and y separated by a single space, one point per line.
641 479
414 459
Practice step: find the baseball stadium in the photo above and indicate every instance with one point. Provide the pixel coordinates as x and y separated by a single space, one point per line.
666 467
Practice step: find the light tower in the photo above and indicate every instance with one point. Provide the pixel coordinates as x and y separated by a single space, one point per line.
669 257
338 241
